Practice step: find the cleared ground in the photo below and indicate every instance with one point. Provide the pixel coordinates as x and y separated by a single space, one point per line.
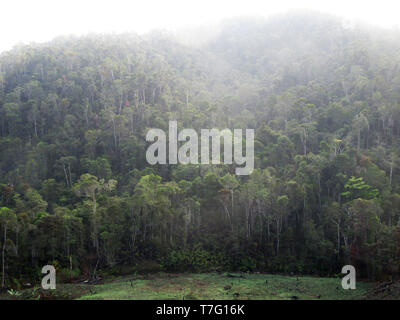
211 286
225 286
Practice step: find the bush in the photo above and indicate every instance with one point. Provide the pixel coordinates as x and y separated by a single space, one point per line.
148 266
194 259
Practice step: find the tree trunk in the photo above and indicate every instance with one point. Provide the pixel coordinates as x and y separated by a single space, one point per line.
115 136
70 176
16 241
338 238
35 127
232 209
66 176
86 115
3 278
278 236
70 267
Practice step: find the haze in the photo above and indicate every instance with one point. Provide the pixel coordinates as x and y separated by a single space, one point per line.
38 21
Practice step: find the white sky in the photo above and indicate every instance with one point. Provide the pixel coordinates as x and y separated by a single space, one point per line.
23 21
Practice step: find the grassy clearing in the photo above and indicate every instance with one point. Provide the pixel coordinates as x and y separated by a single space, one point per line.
220 287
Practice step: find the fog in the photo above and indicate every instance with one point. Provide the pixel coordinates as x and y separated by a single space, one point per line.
37 21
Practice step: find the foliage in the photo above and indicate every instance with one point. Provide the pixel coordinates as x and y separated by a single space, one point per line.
75 186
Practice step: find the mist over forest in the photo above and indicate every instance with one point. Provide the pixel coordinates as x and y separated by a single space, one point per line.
323 98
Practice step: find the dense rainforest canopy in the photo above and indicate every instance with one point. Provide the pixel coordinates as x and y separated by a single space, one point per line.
324 101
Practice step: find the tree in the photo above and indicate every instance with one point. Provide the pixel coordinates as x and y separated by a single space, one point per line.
282 203
230 184
334 212
35 202
90 186
365 225
8 219
357 188
360 123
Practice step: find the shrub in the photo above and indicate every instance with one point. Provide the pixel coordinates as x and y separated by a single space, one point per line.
194 259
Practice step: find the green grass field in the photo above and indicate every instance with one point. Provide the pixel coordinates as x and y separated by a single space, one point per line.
203 286
219 287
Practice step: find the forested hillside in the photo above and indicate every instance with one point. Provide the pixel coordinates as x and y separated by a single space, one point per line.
77 192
